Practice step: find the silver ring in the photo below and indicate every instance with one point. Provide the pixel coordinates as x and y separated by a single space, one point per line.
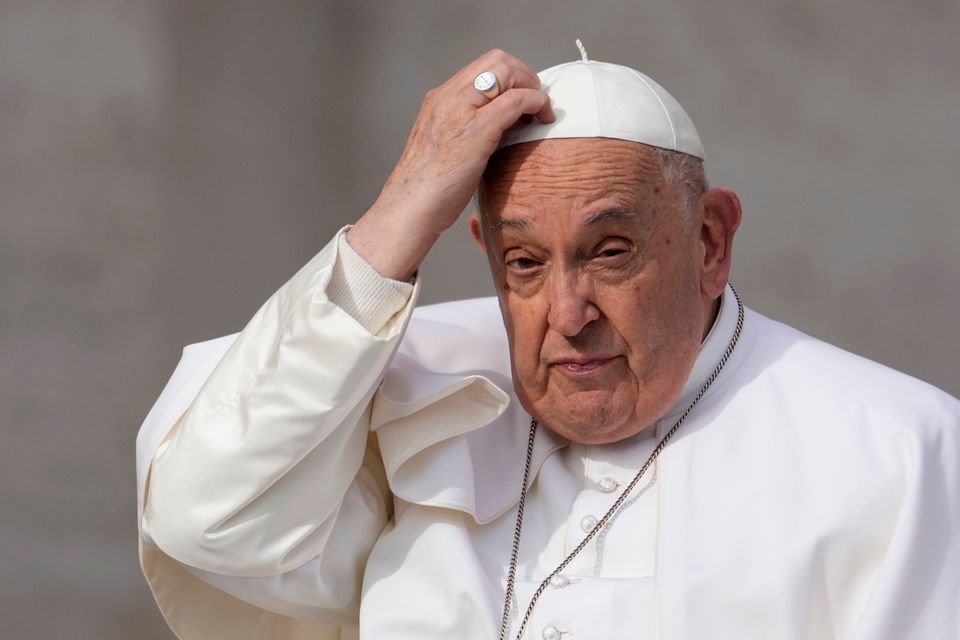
486 83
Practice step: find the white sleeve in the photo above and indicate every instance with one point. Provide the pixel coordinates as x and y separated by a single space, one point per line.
358 289
261 477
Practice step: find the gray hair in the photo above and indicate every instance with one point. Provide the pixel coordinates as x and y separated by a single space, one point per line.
685 173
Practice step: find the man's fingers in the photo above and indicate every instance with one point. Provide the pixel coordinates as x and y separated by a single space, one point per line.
507 108
508 78
515 76
511 72
546 114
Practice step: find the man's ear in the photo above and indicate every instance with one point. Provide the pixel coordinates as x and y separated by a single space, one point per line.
476 231
721 218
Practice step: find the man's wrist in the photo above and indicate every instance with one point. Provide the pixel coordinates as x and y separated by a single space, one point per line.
393 244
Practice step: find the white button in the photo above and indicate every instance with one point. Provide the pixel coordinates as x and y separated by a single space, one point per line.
550 632
607 484
587 523
559 581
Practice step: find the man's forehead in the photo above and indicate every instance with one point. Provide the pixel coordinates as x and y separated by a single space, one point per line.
574 168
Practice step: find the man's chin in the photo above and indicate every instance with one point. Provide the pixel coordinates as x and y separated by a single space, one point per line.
589 417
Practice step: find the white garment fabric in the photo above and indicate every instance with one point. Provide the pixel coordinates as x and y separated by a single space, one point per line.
313 478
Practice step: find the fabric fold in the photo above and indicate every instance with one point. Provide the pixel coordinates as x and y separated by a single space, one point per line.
434 453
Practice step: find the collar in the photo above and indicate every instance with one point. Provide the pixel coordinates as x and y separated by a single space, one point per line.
711 350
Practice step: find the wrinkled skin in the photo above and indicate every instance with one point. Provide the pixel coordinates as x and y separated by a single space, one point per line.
606 286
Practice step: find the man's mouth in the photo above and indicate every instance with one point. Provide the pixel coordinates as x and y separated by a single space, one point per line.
583 366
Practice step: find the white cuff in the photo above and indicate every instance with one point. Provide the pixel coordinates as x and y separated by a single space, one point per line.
357 288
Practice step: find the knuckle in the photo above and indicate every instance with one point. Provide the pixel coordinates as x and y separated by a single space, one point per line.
513 99
431 100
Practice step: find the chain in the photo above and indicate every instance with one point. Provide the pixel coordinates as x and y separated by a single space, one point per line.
512 574
514 554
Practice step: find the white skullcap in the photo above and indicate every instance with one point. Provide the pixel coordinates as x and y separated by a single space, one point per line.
602 100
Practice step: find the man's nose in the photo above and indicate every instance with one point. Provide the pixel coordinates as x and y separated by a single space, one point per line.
571 304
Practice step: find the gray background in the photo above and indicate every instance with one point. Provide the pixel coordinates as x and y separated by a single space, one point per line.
164 166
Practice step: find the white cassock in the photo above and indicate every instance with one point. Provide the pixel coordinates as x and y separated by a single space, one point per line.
347 466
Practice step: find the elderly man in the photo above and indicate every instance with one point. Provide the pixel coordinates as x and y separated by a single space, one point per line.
629 454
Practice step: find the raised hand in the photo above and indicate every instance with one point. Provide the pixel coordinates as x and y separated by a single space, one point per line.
456 131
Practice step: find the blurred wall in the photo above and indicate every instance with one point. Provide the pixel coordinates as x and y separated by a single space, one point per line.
164 166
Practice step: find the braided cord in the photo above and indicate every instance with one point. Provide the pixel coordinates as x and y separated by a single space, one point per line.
512 574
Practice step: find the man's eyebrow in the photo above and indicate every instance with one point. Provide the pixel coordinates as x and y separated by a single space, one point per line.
520 224
610 214
514 223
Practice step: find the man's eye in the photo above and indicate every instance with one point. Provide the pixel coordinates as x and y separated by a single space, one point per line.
521 264
612 252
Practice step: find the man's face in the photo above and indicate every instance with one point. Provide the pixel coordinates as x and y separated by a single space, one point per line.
598 271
